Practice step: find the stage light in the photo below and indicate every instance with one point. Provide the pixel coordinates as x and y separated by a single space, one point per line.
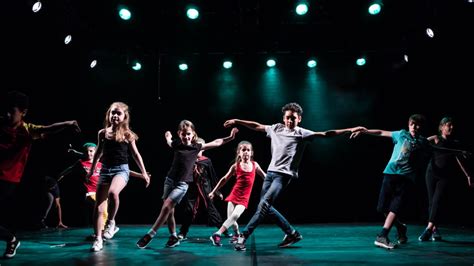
405 57
125 14
68 39
360 61
192 13
301 9
312 63
271 62
429 32
375 8
36 7
183 67
93 63
137 66
227 64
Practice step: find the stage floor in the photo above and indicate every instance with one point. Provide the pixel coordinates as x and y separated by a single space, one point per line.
323 244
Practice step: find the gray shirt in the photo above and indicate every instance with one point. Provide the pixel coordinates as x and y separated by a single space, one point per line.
287 148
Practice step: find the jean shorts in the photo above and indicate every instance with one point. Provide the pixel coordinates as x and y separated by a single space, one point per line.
108 173
174 190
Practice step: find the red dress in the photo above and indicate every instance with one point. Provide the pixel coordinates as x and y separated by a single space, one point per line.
243 186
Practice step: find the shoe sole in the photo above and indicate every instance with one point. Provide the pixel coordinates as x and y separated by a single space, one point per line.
240 249
382 245
9 256
172 246
115 231
291 243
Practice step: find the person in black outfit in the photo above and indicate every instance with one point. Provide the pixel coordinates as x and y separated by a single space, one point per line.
205 178
441 166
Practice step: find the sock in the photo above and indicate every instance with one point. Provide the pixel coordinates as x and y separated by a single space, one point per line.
384 232
152 233
174 234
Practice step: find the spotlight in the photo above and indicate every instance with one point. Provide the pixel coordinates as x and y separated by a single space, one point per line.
68 39
36 6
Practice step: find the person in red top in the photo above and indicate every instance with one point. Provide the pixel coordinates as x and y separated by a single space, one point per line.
16 138
244 170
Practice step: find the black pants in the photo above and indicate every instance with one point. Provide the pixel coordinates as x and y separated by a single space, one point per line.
192 203
7 192
436 187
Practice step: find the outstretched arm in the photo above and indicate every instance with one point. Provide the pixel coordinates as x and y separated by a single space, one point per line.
336 132
56 127
469 182
141 176
374 132
218 142
246 123
67 171
222 181
138 159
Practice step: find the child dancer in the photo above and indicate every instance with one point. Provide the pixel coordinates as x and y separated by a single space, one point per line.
186 150
244 170
115 140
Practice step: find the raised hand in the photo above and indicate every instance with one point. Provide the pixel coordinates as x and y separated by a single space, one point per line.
229 123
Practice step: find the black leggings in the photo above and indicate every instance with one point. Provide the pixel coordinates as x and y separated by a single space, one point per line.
436 187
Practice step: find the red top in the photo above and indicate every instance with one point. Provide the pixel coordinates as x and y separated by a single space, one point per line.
15 146
243 186
91 186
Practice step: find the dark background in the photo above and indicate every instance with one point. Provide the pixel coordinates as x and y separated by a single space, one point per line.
339 178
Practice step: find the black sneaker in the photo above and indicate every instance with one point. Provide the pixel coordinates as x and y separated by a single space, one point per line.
289 240
426 235
173 241
144 241
436 236
216 240
384 242
182 237
402 234
10 251
240 245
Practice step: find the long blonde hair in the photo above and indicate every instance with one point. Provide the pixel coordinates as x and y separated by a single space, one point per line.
122 131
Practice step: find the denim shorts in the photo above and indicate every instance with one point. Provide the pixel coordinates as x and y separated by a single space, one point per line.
108 173
174 190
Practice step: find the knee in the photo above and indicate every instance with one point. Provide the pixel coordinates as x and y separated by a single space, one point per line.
264 206
114 195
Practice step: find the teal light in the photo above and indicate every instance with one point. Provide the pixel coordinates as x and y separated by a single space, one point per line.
227 64
137 66
183 67
301 9
361 61
125 14
374 9
192 13
312 63
271 62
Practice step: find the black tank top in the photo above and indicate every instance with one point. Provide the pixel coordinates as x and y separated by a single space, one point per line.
114 153
443 163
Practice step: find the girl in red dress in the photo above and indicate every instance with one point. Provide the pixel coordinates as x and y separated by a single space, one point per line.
244 171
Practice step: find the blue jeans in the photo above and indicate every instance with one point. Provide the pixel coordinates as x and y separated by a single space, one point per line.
273 185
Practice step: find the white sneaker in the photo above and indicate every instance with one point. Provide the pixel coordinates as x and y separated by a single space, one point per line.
97 245
110 231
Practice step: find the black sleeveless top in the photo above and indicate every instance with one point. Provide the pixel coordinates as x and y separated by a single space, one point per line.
114 153
443 163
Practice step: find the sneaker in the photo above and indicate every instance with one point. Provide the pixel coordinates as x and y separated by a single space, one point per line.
110 231
97 245
289 240
436 236
216 240
12 246
384 242
173 241
182 237
144 241
240 245
402 234
426 235
234 239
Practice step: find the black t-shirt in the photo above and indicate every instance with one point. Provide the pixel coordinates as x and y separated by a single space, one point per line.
183 161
